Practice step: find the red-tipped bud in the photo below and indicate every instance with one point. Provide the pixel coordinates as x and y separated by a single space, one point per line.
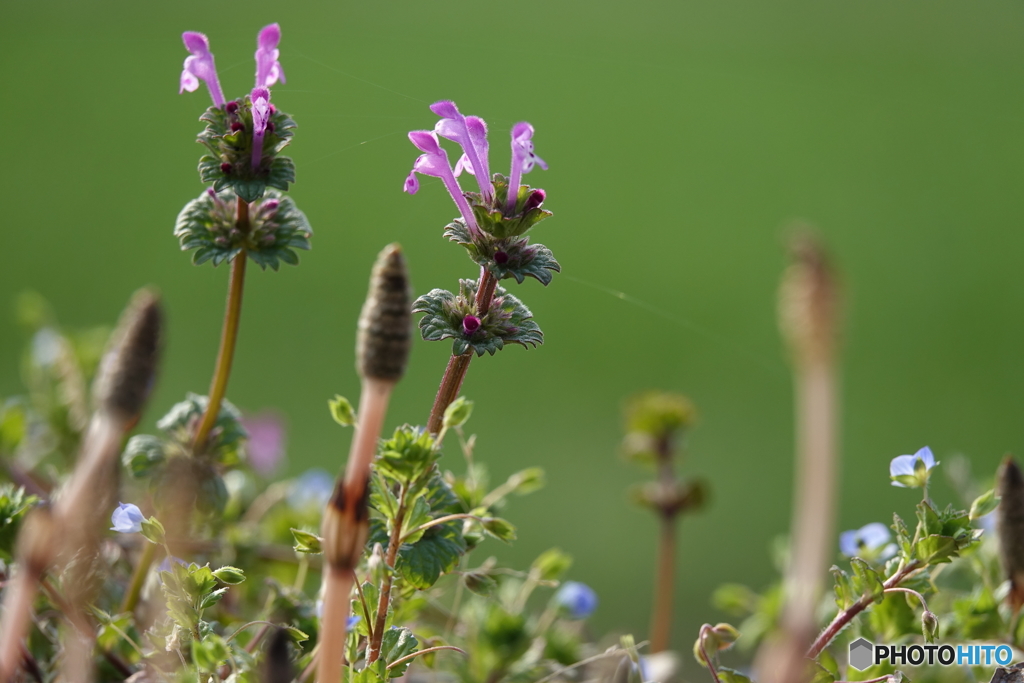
500 257
232 107
470 324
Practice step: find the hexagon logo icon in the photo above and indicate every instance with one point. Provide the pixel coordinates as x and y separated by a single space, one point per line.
862 654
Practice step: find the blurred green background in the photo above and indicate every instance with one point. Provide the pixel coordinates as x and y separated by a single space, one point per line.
683 139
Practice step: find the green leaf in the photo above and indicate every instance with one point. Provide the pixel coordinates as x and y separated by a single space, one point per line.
499 528
397 643
153 531
903 538
408 455
508 321
232 576
527 481
844 592
457 413
481 584
984 504
306 542
935 549
210 652
416 517
437 553
382 499
727 675
143 455
552 564
928 520
342 411
866 582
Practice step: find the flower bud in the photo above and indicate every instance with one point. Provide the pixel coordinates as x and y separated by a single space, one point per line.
129 366
232 107
385 324
500 257
470 324
1010 513
225 168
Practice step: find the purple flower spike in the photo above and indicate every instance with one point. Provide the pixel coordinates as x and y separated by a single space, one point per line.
268 69
470 133
523 160
434 162
470 324
199 67
260 118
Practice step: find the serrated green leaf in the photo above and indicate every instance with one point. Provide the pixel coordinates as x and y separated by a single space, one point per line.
437 553
935 549
396 644
866 582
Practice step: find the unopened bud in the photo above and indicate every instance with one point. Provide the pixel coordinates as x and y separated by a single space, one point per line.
1010 487
385 325
808 301
126 376
346 526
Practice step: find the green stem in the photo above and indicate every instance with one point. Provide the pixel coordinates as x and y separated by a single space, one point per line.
131 598
228 337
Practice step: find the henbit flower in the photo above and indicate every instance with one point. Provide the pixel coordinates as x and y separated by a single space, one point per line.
127 519
470 324
434 162
470 133
911 471
260 97
578 599
871 540
350 623
523 161
268 69
199 66
266 441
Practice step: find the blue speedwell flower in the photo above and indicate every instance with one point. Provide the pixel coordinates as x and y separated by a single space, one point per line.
911 471
312 489
870 542
578 599
127 519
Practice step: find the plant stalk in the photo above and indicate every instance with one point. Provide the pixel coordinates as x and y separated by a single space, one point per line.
131 598
373 649
846 616
455 372
228 337
337 587
661 621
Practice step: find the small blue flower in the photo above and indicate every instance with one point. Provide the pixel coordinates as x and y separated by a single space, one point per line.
351 622
578 599
870 542
312 489
911 471
127 519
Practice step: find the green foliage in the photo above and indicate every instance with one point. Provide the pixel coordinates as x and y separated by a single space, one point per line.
490 216
14 503
342 411
229 163
276 228
510 257
508 321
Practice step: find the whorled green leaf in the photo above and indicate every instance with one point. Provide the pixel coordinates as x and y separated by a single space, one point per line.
512 257
276 228
490 215
228 137
508 321
226 438
143 455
